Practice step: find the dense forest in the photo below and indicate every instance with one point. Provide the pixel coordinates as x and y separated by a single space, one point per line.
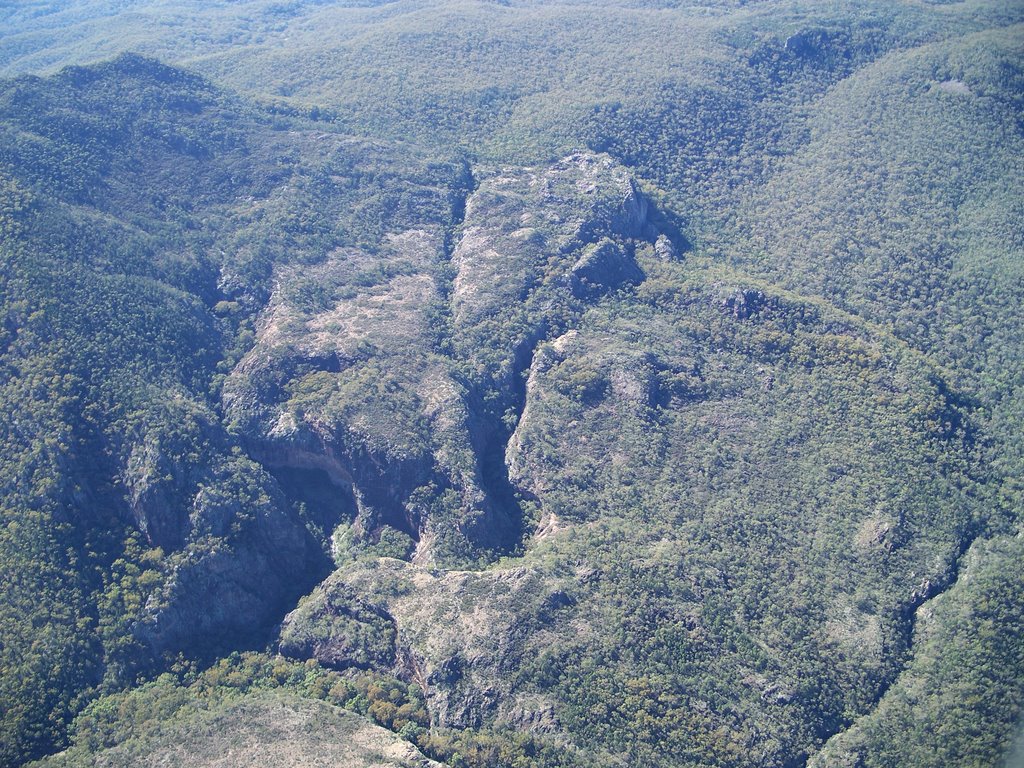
512 383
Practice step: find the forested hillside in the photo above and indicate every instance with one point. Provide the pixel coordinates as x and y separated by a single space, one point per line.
512 384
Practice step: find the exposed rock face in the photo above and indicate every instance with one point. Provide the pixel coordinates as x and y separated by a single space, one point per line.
237 554
665 249
603 267
246 559
159 470
152 499
743 303
373 483
400 379
461 635
530 234
808 43
338 629
386 421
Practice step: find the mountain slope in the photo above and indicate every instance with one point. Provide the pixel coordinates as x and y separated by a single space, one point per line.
616 401
133 263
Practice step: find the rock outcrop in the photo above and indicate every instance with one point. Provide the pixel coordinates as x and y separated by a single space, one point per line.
603 267
459 635
340 630
247 558
398 374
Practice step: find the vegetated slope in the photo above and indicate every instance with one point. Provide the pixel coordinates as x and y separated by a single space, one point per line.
730 489
903 205
518 79
143 213
911 219
966 671
258 729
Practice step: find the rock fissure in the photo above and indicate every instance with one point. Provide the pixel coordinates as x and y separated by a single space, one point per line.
415 433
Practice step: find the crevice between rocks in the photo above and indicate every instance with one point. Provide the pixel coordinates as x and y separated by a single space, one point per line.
495 425
444 277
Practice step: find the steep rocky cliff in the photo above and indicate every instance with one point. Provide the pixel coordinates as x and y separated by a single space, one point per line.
400 381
